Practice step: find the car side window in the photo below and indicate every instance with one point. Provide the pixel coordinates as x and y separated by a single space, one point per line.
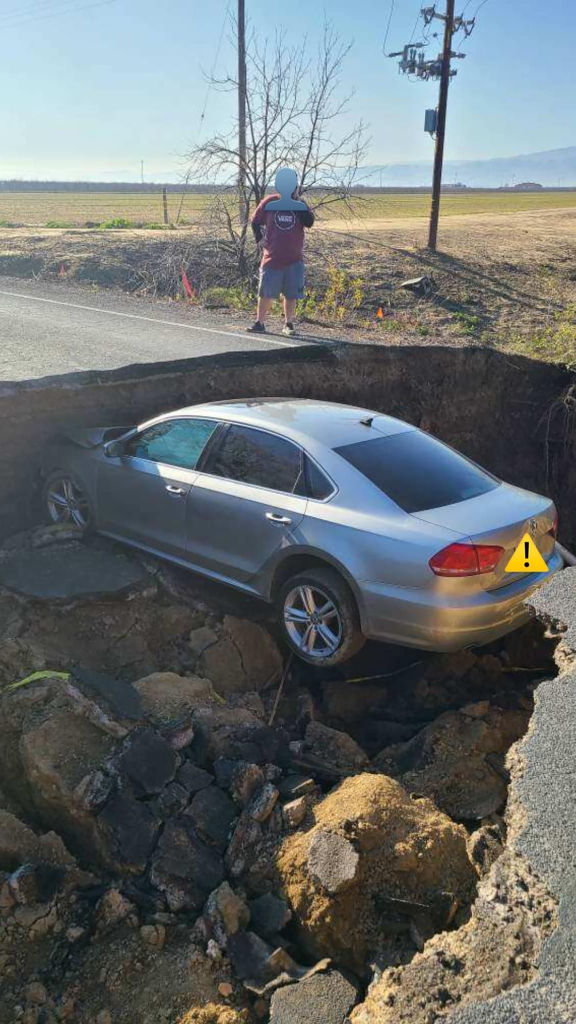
312 483
178 442
256 457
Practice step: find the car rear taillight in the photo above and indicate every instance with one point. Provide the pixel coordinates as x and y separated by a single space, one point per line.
554 529
466 559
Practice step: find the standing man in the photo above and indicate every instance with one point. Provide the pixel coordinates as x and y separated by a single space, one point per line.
282 267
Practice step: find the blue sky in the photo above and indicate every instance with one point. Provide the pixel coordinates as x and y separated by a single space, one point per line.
90 93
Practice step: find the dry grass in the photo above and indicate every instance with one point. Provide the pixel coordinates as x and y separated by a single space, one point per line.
504 279
77 209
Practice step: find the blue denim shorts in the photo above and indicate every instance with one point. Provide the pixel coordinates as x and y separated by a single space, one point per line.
287 281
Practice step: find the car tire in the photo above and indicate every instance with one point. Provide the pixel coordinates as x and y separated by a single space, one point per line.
77 512
320 588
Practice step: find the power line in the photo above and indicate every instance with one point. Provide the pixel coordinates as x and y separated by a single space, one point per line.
392 5
213 70
56 14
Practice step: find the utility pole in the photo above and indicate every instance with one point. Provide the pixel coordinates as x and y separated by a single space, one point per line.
142 171
413 62
441 126
242 111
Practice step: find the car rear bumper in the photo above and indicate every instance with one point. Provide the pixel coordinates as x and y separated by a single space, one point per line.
436 622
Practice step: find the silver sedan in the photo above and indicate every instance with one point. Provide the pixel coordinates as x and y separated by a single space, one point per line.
355 524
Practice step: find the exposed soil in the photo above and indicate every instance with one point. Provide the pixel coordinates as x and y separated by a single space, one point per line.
362 817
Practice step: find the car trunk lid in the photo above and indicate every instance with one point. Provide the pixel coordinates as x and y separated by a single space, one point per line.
502 516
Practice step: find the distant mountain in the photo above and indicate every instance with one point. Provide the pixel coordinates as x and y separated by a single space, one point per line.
553 168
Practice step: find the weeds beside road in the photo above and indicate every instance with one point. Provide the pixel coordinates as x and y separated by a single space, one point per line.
504 280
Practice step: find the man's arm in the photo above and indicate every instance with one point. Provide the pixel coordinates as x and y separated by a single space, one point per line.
306 218
257 221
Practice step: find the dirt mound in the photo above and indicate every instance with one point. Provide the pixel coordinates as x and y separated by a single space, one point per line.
497 949
458 760
371 849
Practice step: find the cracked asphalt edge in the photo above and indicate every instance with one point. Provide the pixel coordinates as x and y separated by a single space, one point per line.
545 794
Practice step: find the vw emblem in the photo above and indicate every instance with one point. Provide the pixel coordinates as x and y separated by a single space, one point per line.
533 524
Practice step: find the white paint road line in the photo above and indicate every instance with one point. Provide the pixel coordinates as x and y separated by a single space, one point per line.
150 319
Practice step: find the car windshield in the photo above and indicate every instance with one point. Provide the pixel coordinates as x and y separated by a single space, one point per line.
417 471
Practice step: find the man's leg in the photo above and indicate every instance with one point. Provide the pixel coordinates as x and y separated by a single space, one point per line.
264 305
292 290
268 290
289 310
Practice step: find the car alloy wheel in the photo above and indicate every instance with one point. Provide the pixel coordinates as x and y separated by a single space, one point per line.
312 621
67 503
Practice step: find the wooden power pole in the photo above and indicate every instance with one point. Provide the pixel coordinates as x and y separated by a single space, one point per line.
441 125
242 111
413 62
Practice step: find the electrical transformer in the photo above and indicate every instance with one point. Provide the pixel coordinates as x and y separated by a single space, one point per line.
431 121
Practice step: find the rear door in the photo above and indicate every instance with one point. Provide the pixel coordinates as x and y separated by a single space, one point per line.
142 493
243 504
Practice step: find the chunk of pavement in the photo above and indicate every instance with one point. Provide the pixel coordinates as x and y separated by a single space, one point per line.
449 760
241 778
224 732
173 799
120 696
19 844
262 802
325 998
184 868
333 862
294 786
149 761
69 572
193 778
94 790
213 815
249 955
130 829
338 748
227 913
167 697
243 849
56 755
269 915
407 850
294 812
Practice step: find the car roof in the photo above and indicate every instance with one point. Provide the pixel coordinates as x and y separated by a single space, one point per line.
300 419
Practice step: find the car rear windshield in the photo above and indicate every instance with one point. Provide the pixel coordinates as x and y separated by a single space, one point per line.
417 471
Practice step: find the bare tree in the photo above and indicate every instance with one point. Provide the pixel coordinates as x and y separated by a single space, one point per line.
295 106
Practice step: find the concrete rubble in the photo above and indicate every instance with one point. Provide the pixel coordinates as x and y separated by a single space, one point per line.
168 854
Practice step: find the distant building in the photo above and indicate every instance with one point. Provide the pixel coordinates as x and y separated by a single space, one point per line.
527 186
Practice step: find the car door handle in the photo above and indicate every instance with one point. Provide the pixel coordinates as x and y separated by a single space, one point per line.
279 520
176 492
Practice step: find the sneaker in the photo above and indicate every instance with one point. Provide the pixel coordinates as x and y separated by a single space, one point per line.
289 330
256 328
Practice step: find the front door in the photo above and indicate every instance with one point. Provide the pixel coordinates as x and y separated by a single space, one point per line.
242 506
142 493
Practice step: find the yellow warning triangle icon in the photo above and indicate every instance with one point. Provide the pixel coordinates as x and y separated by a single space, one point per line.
526 558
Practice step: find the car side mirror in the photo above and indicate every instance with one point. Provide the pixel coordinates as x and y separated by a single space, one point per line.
113 450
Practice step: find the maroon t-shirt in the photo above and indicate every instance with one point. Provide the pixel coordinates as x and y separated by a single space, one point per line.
284 234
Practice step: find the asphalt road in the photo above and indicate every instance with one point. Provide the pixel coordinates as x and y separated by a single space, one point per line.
50 329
